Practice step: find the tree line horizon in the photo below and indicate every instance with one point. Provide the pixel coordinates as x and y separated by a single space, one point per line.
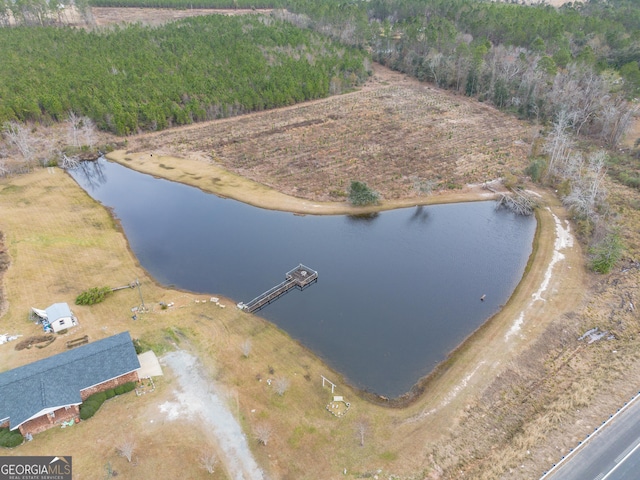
533 60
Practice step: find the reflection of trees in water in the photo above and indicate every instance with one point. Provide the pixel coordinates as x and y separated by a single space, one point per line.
420 214
363 217
93 172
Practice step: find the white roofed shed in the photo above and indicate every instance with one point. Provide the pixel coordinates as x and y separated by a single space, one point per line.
58 316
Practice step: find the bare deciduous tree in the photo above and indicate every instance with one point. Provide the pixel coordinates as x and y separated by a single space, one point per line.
362 428
85 11
126 448
246 348
435 64
580 92
559 142
75 122
615 119
209 460
587 190
423 186
299 20
262 433
21 138
47 149
4 171
281 385
82 130
88 132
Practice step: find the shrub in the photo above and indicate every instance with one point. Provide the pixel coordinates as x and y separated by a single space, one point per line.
125 387
10 439
605 254
93 295
630 180
509 180
536 169
141 346
584 227
93 403
337 193
87 411
99 397
360 194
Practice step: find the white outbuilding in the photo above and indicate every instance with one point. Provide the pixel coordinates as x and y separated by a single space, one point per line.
56 317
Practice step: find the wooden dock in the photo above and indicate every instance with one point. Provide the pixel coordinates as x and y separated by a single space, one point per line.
300 277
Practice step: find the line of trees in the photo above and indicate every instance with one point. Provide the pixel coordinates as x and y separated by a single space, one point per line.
530 81
578 177
533 60
603 31
606 31
143 78
188 4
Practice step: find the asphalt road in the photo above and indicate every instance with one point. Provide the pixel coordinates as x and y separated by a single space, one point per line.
613 453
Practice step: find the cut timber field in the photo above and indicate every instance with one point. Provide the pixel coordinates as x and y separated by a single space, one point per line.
395 132
509 403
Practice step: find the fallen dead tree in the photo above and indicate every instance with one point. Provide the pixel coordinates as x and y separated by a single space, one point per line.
69 163
518 202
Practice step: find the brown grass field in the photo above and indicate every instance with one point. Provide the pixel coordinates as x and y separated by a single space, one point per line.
507 404
393 131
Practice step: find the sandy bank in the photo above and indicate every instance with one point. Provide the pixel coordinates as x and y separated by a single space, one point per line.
214 179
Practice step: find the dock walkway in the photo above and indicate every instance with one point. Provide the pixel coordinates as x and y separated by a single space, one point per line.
300 277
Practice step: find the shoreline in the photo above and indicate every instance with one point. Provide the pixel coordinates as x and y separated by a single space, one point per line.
230 185
225 184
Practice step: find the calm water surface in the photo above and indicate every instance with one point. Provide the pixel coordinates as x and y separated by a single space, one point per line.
396 292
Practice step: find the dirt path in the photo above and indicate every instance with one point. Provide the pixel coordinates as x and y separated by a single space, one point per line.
197 398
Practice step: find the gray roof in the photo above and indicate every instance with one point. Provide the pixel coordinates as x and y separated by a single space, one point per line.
58 310
57 381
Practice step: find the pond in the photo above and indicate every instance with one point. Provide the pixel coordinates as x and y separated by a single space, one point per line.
397 291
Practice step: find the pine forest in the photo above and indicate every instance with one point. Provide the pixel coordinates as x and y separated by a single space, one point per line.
143 78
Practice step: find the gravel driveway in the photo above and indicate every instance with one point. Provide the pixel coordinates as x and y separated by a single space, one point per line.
197 398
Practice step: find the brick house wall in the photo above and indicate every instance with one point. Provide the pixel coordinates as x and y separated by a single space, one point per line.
113 383
40 424
5 424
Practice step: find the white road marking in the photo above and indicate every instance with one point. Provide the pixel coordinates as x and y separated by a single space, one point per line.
620 462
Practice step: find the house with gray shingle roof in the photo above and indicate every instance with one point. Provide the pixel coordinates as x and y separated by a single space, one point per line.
41 394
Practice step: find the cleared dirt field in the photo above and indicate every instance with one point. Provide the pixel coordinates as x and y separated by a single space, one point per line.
394 132
106 16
